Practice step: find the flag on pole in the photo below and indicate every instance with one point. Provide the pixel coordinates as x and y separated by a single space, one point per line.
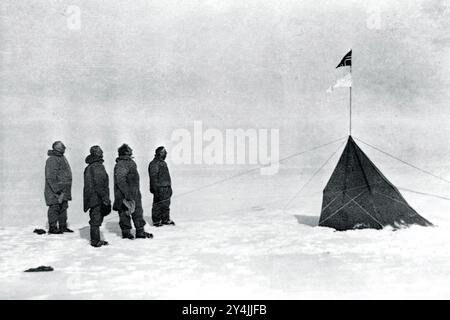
346 60
344 82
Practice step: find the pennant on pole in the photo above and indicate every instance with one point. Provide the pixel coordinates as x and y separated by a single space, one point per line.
346 60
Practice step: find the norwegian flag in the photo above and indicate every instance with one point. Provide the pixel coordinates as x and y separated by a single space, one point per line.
346 60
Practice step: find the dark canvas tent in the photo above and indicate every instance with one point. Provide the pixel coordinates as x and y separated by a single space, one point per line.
358 195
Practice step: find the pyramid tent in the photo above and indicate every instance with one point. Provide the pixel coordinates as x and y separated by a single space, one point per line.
359 196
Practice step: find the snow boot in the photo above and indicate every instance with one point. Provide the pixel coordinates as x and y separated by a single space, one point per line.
99 243
168 223
65 229
127 235
141 234
54 230
157 224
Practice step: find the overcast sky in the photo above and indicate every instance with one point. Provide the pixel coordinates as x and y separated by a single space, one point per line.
232 63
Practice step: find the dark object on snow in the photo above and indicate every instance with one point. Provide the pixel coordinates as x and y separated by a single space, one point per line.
359 196
40 269
39 231
65 229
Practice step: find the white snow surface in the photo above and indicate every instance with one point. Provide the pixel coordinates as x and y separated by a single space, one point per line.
264 254
233 240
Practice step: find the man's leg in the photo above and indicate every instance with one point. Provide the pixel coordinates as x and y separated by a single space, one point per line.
165 206
138 218
96 219
62 217
139 223
125 224
156 209
165 211
53 213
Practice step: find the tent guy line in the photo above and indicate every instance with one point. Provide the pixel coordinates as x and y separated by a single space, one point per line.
425 194
403 161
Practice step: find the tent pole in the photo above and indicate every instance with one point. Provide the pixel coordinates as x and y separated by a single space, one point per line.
350 115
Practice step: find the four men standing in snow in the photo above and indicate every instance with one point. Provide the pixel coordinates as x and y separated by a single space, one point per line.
96 197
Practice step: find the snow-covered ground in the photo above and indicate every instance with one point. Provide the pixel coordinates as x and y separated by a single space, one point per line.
233 240
264 254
